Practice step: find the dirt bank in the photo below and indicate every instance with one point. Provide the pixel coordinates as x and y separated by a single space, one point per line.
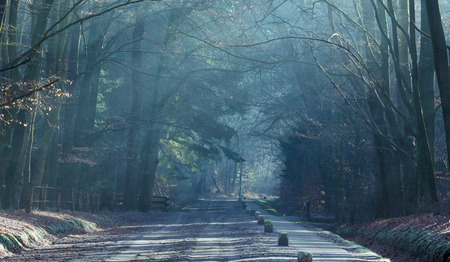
424 237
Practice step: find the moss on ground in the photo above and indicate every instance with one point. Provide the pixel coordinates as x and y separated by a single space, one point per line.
267 205
22 239
101 218
71 225
10 242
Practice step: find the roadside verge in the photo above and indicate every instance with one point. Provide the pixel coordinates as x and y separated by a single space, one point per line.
20 230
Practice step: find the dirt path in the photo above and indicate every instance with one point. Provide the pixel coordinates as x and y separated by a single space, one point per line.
210 230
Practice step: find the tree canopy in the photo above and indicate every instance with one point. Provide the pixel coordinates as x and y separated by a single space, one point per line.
341 103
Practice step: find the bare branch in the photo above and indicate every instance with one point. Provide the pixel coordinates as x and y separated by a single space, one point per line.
369 123
10 100
26 56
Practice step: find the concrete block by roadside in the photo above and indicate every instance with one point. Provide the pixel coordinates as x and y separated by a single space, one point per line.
261 220
304 256
268 226
257 214
283 239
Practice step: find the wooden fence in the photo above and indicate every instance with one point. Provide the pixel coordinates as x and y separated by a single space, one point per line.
159 203
43 197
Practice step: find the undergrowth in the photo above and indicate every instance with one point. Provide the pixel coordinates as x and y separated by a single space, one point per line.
29 234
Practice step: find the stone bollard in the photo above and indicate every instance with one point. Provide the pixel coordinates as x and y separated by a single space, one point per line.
257 214
304 256
283 239
261 220
252 212
268 226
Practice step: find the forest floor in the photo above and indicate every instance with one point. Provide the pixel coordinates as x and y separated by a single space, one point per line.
208 230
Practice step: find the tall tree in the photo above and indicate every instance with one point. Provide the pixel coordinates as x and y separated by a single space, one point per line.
440 54
131 175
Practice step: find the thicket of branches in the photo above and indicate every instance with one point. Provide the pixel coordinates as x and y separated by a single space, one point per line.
338 103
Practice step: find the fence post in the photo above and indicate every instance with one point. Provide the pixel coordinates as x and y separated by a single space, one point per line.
29 203
42 203
58 200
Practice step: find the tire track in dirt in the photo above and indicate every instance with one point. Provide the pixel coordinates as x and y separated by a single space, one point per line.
190 236
216 242
164 242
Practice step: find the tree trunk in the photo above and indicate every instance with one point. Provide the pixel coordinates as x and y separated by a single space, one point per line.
130 190
57 51
14 178
338 182
2 12
324 163
150 159
388 179
31 75
87 100
56 65
67 168
440 63
200 188
355 176
8 126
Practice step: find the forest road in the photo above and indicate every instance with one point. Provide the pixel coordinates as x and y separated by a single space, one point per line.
218 230
205 232
210 230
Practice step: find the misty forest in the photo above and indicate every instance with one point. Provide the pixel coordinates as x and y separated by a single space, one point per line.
344 105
